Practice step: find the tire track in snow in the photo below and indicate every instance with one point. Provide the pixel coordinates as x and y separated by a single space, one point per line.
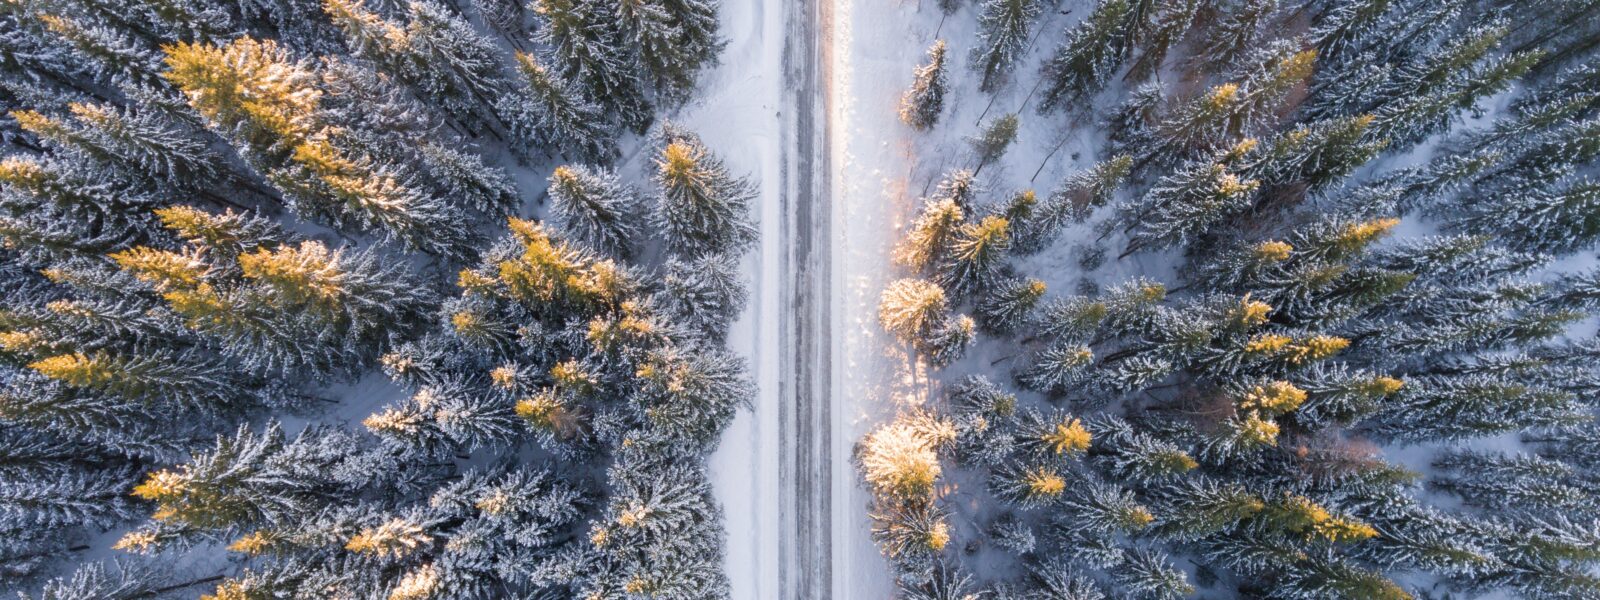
806 463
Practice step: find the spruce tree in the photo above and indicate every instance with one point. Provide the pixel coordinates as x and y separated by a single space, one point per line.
702 209
1004 27
1085 61
977 257
675 39
547 111
921 105
996 137
594 207
586 49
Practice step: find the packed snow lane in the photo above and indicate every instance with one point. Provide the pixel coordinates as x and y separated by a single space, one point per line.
807 463
738 113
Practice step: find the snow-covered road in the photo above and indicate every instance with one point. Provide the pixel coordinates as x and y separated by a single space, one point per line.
804 100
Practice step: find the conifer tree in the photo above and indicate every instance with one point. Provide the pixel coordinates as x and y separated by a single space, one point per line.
140 143
977 257
268 105
931 234
1010 305
921 105
465 177
675 39
702 208
586 49
706 292
1188 203
1239 29
1555 220
996 137
440 54
1167 23
1004 27
1072 202
595 208
912 308
547 111
1084 62
948 342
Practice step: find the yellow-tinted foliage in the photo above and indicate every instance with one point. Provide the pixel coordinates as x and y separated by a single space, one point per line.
308 272
253 543
165 269
1273 251
899 461
76 369
396 537
418 584
1068 438
246 82
1275 398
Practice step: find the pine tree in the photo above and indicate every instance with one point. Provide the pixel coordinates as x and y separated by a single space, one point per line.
1316 155
691 396
949 342
269 106
595 208
702 208
1233 110
1083 63
1196 509
1555 219
931 235
465 177
910 533
1346 25
1072 202
451 416
706 292
899 460
1103 508
1166 25
1058 367
249 478
921 105
140 142
911 309
1004 27
1149 574
435 51
1239 29
1186 204
96 580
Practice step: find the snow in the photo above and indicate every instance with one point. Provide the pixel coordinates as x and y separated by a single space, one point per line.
737 116
882 169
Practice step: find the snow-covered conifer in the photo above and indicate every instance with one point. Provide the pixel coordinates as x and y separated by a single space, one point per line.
702 208
921 105
1004 27
593 206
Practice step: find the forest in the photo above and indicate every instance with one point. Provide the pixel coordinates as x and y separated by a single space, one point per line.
228 224
443 300
1328 323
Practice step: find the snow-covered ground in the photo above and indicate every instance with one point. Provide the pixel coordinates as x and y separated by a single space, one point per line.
878 170
881 171
737 115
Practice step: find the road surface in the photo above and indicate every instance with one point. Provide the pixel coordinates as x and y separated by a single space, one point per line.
807 462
